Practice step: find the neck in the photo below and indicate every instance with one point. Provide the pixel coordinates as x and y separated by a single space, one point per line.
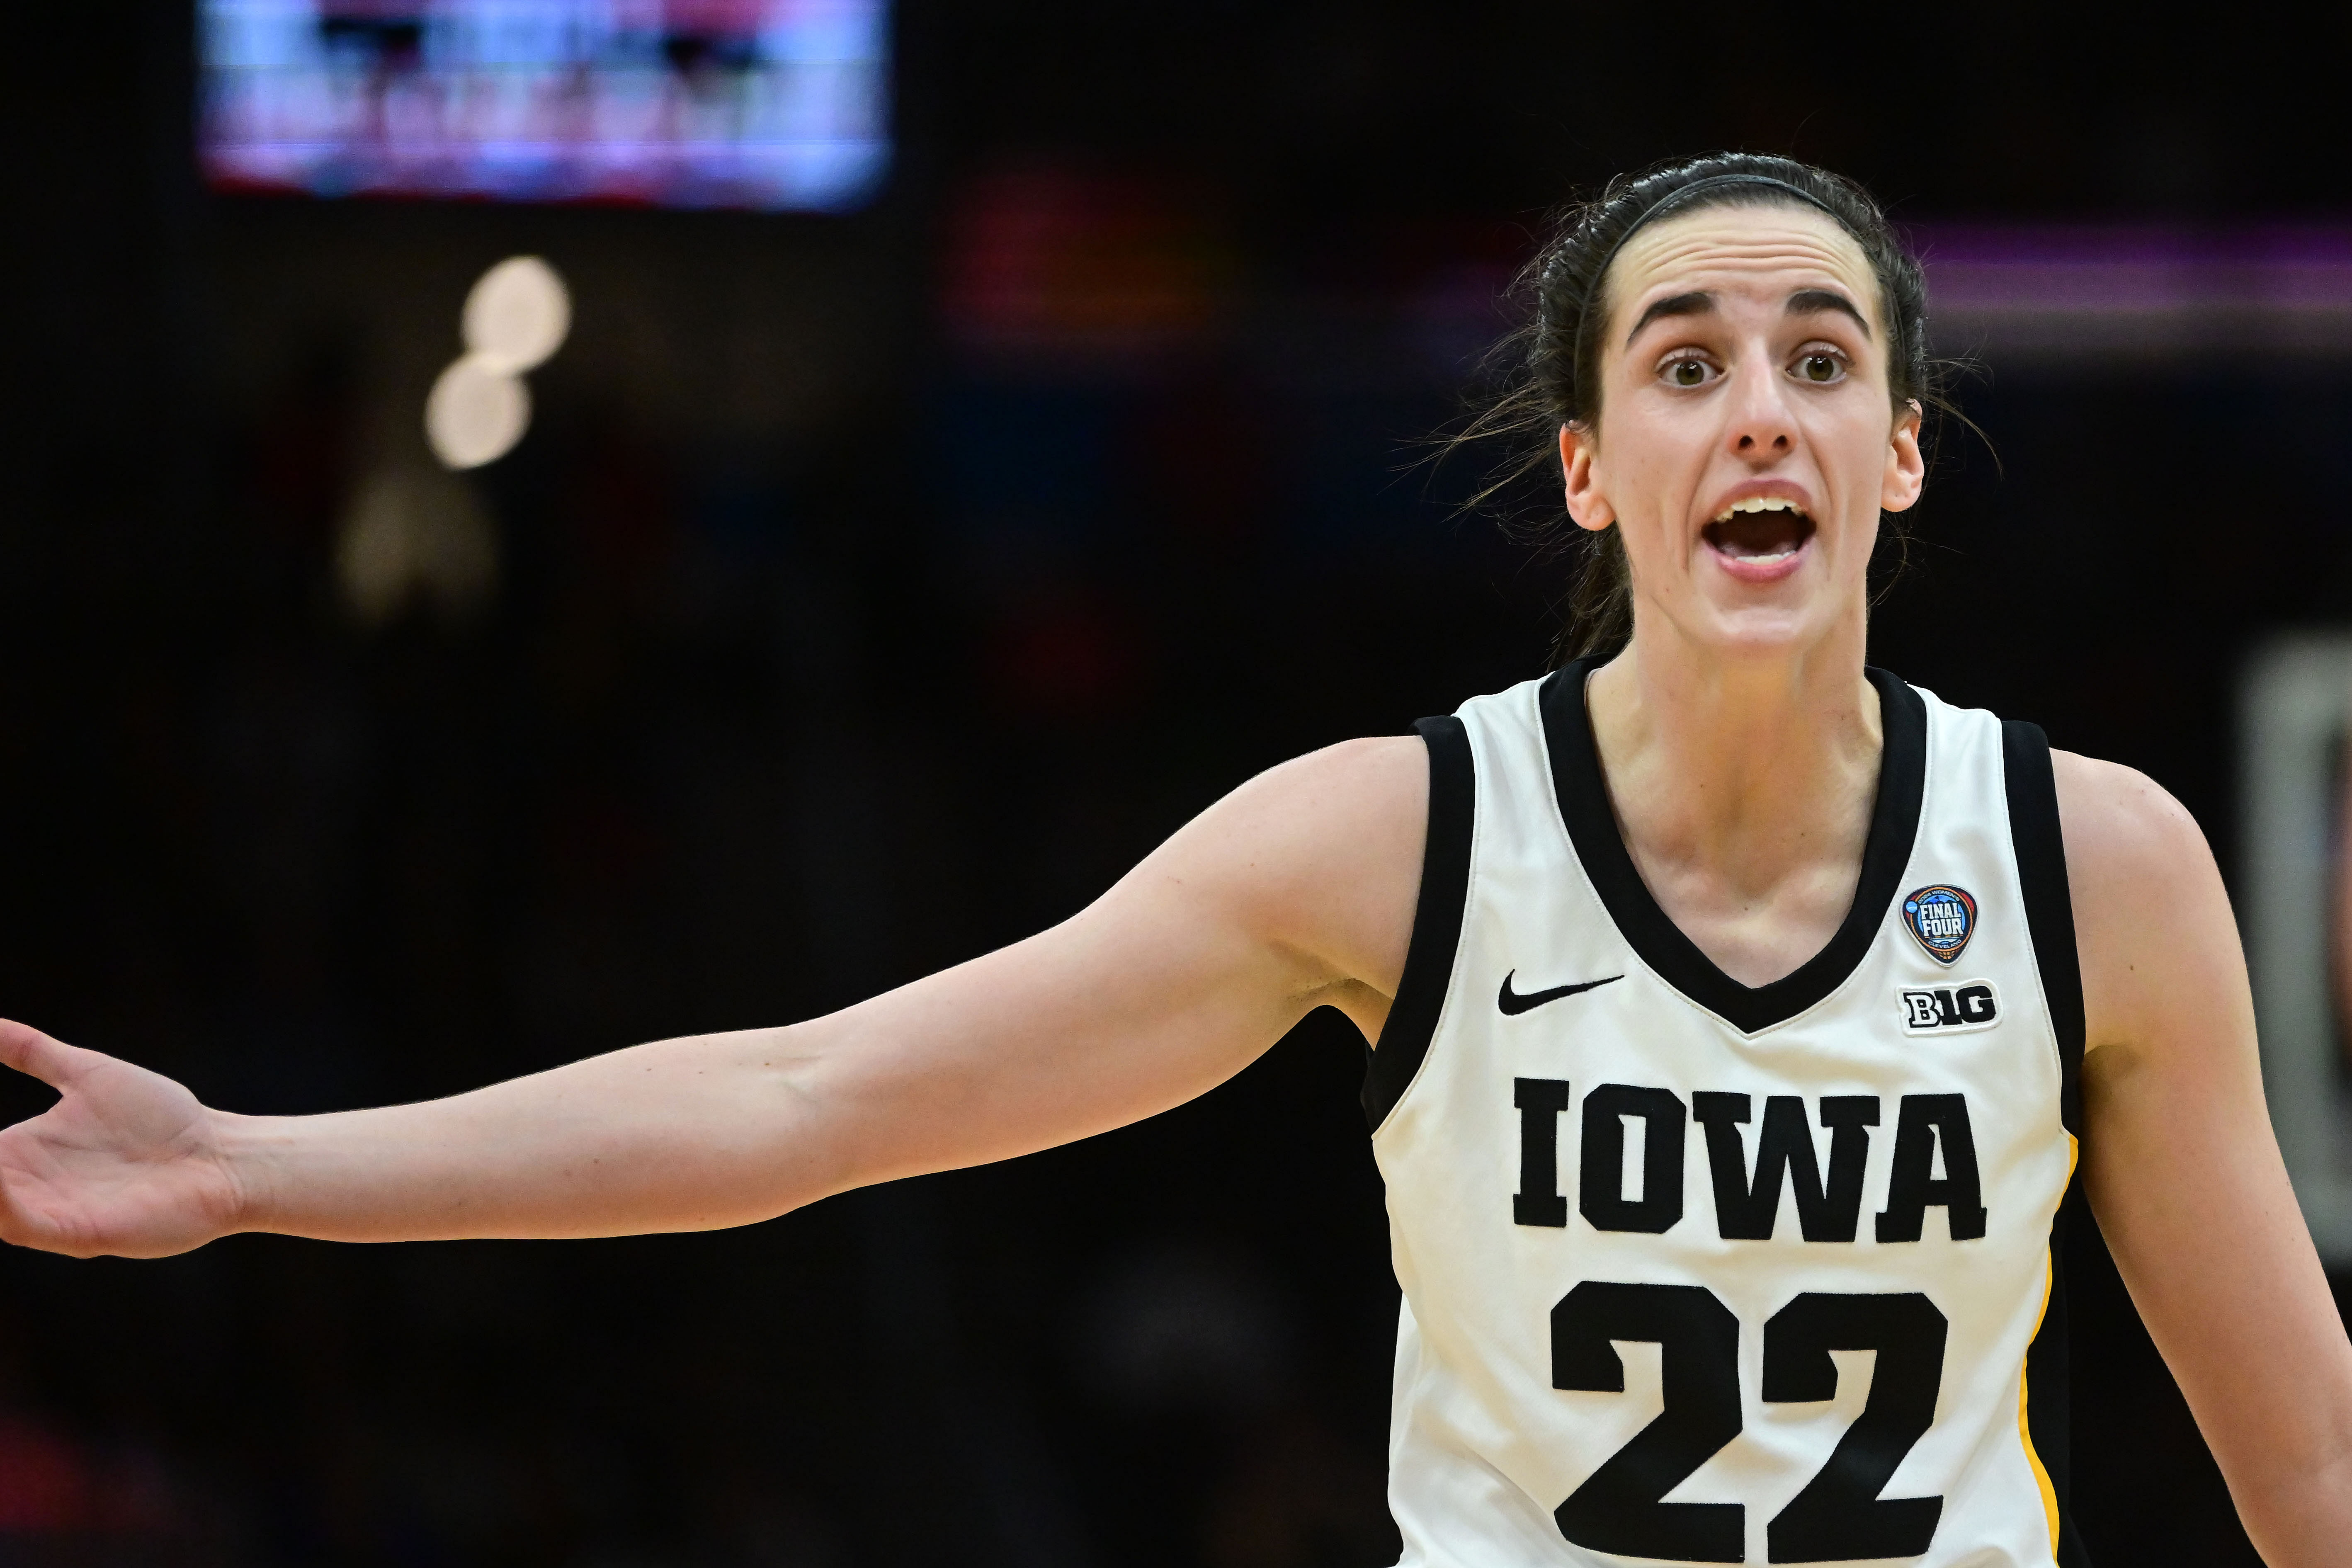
1743 787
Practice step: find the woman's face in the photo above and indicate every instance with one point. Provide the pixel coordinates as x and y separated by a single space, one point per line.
1746 444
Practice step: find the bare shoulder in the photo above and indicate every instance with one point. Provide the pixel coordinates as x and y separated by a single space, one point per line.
1379 783
1305 828
1320 855
1318 859
2120 824
2152 922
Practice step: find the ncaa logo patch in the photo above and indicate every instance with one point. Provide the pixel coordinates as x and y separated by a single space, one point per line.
1943 917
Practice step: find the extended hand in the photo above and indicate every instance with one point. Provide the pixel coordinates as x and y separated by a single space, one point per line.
127 1163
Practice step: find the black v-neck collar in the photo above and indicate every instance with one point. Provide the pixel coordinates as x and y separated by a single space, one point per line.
1593 827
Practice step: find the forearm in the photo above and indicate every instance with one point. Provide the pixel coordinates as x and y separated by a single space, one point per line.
1013 1052
685 1134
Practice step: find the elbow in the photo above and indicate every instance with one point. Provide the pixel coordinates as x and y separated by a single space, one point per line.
2300 1518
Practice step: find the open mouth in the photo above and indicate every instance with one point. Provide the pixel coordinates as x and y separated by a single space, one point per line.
1760 531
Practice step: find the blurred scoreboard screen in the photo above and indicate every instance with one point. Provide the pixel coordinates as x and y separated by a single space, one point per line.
698 103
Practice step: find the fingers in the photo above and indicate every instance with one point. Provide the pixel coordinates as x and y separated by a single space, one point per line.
28 1050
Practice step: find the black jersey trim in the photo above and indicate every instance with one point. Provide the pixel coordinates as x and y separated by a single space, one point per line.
2041 850
1436 918
1593 827
2048 1405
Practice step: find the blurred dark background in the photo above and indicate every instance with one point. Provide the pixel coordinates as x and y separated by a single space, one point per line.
874 588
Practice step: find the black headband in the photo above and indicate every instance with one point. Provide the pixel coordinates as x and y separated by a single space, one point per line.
1665 206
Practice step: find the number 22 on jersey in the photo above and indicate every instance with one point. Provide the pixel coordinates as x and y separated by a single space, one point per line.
1839 1516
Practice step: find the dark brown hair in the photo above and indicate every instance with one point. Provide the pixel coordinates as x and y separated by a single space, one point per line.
1551 366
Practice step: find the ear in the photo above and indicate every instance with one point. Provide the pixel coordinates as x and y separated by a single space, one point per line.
1906 470
1587 507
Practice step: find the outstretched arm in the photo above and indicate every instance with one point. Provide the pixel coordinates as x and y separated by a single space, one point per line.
1295 891
2184 1172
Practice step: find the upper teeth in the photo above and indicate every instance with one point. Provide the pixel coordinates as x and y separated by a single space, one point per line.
1758 503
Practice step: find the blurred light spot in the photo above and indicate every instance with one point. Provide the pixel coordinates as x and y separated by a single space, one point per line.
476 413
517 315
415 536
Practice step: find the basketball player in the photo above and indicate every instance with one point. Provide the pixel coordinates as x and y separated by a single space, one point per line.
1734 1007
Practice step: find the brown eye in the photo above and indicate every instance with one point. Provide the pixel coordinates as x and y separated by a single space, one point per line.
1686 372
1818 368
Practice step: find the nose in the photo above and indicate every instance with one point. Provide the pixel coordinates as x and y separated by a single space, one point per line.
1761 428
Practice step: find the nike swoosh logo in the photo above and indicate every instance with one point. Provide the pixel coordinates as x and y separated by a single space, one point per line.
1513 1003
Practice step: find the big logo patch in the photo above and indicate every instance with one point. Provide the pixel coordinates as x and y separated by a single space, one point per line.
1943 917
1949 1009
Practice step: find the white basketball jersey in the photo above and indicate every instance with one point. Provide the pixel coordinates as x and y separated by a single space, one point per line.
1701 1272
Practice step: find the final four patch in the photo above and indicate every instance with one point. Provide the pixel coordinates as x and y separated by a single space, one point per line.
1943 917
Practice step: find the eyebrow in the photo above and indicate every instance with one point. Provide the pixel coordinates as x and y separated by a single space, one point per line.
1700 302
1697 303
1809 301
